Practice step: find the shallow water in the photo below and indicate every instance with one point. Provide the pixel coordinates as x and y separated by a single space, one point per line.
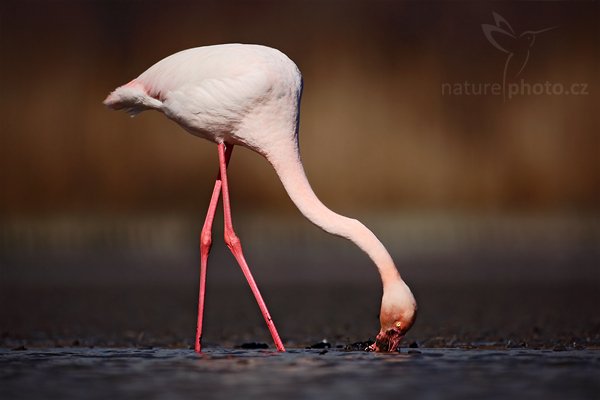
64 373
469 342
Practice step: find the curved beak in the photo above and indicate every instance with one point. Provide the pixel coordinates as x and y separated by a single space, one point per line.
387 341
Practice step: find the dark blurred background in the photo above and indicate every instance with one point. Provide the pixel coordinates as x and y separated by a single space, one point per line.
465 190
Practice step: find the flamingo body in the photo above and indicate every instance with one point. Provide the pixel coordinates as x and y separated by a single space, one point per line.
249 95
233 93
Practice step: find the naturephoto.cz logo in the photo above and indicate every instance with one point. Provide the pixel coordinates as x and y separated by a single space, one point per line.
518 49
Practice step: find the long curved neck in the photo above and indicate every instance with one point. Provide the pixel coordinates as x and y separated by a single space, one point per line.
289 168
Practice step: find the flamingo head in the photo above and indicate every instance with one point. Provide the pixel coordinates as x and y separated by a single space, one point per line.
397 316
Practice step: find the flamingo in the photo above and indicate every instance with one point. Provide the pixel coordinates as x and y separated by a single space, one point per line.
249 95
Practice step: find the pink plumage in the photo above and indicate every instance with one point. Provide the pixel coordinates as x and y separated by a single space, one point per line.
249 95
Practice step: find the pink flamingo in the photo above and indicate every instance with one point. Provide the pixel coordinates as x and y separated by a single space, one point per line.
249 95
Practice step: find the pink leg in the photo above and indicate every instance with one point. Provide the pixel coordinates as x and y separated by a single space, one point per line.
205 245
234 244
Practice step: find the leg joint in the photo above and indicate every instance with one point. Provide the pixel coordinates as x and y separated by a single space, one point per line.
205 239
232 240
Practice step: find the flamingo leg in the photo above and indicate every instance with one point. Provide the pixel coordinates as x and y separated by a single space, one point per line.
234 244
205 245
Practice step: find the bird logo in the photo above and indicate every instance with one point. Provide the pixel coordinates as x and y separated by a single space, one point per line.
517 46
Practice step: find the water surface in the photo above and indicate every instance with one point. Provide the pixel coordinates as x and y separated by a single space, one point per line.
63 373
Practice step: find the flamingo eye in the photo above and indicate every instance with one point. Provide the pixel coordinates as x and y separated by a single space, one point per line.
398 324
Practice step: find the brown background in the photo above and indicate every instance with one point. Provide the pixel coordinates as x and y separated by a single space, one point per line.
489 208
457 187
376 133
